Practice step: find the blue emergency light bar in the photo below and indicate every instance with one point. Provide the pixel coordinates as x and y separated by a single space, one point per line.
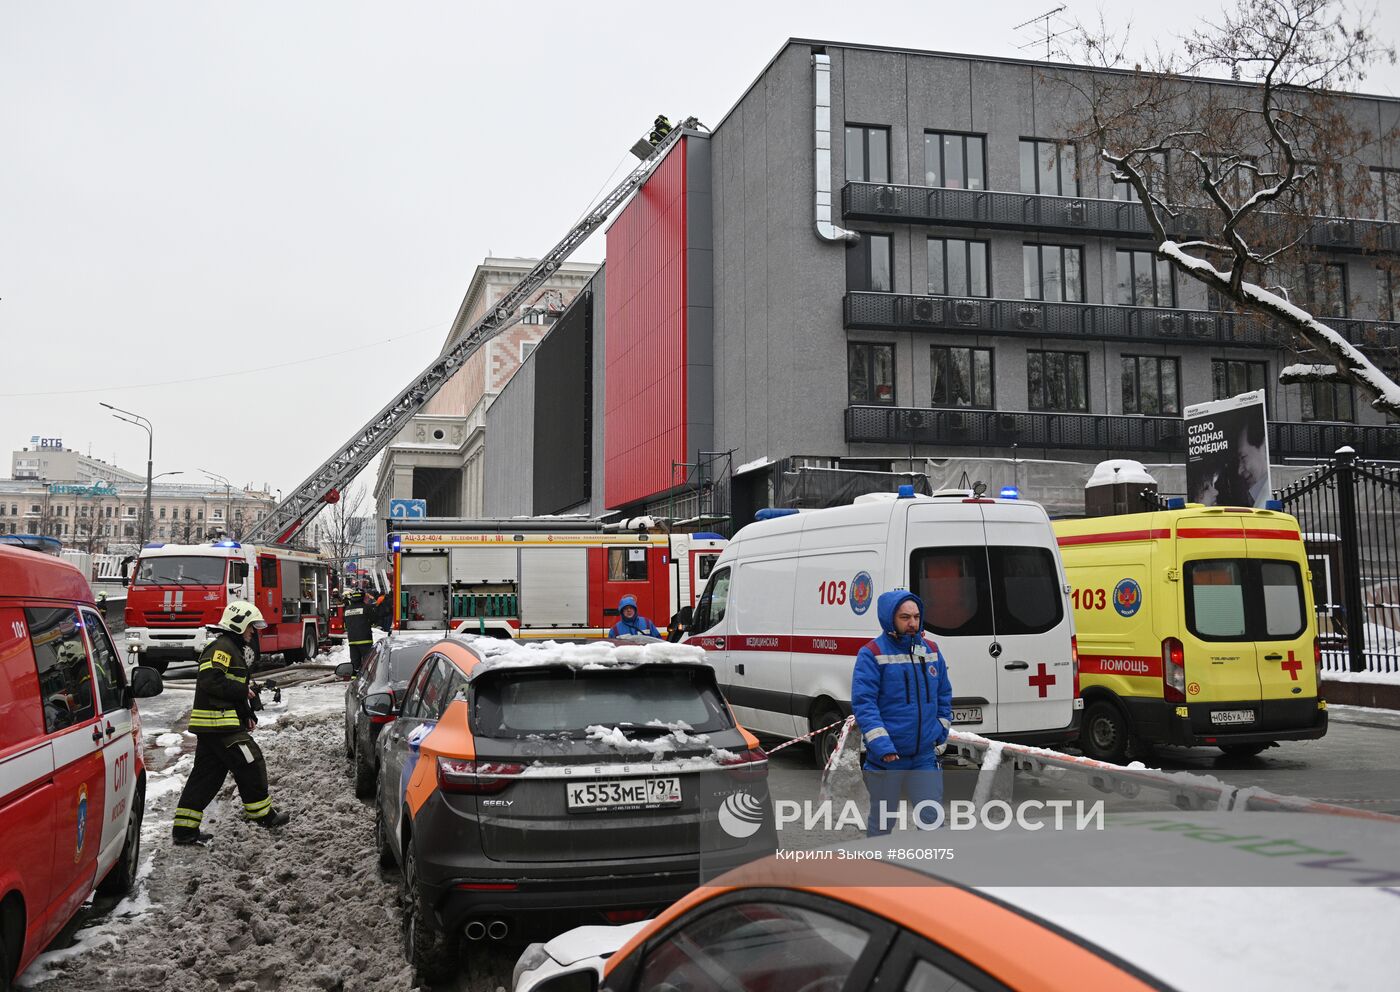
906 491
227 544
1176 503
1010 492
1274 504
773 512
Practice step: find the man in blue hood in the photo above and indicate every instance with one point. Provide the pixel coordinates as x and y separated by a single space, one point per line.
903 703
630 621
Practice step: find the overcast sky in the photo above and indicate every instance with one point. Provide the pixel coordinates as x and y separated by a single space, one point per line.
191 193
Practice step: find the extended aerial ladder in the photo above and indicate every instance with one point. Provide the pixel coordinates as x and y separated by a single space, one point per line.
289 517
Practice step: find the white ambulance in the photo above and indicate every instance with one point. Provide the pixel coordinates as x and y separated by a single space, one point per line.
793 598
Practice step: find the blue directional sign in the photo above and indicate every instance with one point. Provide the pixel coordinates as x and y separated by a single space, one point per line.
408 509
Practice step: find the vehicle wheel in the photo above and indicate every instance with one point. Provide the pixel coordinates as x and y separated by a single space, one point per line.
122 878
431 954
1244 750
1104 735
824 744
349 748
381 838
365 773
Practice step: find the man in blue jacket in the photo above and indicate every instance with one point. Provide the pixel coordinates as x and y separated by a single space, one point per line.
632 622
903 703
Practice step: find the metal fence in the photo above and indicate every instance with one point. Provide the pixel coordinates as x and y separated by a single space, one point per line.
1349 512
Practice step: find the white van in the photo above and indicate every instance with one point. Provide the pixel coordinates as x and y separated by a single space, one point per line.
793 598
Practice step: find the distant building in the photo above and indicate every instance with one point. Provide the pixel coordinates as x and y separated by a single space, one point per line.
440 455
66 465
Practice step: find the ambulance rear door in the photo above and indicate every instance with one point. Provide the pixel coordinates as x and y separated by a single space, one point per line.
1216 577
1032 620
1284 634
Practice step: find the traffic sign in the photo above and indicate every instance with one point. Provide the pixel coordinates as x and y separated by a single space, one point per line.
408 509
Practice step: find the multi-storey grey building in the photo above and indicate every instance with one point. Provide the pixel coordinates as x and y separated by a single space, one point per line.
881 256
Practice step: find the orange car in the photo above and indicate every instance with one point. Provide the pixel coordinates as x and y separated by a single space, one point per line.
524 788
1183 901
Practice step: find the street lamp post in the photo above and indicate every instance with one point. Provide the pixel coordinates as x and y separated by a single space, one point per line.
228 497
135 418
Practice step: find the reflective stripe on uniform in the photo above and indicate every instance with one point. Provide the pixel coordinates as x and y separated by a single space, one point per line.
878 732
259 809
215 718
240 679
361 642
188 818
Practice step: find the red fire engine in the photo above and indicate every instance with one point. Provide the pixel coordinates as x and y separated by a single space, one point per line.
178 589
544 578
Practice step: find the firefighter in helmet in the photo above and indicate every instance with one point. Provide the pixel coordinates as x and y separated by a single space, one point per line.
221 720
359 629
659 129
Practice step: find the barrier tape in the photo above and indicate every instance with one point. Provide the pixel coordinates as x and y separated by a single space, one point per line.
806 737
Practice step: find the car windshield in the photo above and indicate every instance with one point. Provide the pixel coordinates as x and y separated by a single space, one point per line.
519 704
181 570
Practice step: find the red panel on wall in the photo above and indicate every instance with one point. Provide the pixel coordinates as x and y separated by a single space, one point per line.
645 401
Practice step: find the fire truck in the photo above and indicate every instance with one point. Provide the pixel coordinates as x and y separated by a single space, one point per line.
175 590
542 578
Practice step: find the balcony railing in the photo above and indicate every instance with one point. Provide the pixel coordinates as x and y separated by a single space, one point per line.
1083 215
1094 432
975 315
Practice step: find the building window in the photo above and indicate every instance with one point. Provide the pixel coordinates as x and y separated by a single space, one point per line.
162 513
129 511
867 154
870 374
525 348
1154 170
870 264
1327 401
955 161
216 514
1230 377
1384 194
1049 167
962 377
957 267
1325 288
1145 280
1385 293
1053 273
1151 385
1057 380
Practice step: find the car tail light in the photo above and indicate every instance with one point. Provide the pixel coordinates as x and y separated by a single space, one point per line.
476 777
1074 661
751 763
1173 671
616 916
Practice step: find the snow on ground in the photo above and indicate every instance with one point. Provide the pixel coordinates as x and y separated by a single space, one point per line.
301 908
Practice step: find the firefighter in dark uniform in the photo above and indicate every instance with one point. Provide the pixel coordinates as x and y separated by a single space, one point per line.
359 616
221 720
659 129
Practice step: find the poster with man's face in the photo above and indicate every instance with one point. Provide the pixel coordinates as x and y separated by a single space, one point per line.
1227 452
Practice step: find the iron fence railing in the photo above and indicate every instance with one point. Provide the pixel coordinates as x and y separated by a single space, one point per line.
890 202
1034 318
1349 512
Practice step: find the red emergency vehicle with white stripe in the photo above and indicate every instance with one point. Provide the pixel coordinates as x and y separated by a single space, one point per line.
542 578
792 600
72 779
176 590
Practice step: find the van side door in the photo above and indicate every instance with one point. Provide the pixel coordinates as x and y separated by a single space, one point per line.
71 722
709 631
760 644
118 740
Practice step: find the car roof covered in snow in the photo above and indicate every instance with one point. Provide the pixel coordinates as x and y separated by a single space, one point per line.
493 654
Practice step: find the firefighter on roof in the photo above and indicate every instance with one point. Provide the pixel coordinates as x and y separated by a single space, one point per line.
659 129
221 720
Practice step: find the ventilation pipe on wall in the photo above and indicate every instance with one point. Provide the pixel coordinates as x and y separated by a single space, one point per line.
826 229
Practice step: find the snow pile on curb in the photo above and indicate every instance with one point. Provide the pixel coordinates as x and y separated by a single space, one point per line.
300 909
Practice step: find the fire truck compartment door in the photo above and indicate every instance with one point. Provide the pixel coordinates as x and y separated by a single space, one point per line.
474 565
554 587
423 570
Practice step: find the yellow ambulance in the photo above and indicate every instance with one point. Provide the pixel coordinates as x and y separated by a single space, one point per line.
1195 626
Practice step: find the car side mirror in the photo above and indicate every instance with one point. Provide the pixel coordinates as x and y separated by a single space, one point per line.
584 980
380 704
345 670
686 617
146 682
126 581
